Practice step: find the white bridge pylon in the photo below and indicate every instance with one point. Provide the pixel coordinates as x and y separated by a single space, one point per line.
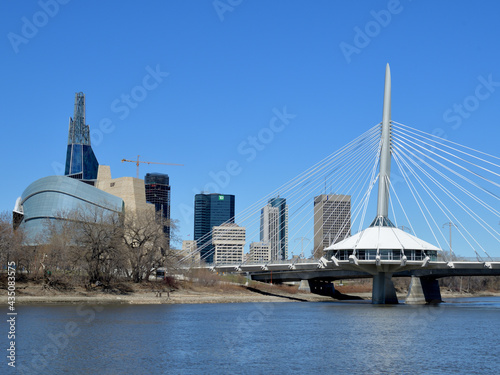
382 248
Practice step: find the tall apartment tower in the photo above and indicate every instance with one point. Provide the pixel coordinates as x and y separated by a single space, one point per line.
274 227
332 220
210 210
158 193
81 162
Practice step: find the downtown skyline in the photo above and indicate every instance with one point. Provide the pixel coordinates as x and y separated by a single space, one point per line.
246 99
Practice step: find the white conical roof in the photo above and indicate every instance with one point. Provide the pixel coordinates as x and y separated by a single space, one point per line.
382 237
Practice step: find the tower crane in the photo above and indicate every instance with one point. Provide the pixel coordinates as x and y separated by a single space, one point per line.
146 162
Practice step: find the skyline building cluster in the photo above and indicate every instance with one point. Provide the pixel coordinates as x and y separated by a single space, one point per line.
219 239
87 185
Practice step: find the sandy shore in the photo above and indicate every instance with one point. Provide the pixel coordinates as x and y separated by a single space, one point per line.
37 296
179 298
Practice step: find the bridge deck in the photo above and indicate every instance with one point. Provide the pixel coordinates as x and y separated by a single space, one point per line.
329 270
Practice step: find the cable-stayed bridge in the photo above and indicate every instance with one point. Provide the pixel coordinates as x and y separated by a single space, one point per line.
428 192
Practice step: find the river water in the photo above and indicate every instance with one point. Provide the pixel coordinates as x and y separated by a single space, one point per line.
461 336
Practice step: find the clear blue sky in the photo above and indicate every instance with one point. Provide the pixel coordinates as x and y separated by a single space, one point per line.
230 67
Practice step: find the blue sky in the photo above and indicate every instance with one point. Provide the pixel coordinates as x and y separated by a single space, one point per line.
204 78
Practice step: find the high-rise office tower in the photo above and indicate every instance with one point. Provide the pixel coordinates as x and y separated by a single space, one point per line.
210 210
274 227
332 220
81 162
158 193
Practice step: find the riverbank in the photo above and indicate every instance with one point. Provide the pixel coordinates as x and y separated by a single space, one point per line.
141 294
149 293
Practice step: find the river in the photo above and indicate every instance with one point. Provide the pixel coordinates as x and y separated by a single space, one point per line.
461 336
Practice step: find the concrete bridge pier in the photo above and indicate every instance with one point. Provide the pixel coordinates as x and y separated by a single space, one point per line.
423 290
383 291
323 288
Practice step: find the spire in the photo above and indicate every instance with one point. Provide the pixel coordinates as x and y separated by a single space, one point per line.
78 131
81 162
385 153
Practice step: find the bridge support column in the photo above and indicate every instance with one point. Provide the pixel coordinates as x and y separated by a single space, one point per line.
304 286
323 288
423 290
383 291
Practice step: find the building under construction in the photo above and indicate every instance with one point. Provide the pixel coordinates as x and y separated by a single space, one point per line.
158 193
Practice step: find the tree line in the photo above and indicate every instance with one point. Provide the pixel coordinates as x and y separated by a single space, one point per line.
92 246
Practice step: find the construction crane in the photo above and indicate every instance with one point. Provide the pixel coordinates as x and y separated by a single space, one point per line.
146 162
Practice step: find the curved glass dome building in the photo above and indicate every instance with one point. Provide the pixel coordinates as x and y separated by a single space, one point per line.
48 197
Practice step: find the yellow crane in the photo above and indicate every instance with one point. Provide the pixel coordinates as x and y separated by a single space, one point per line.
146 162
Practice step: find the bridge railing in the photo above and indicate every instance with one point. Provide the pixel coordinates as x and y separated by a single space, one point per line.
296 261
474 259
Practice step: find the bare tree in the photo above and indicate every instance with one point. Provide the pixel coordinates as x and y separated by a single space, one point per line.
12 244
97 247
57 256
145 244
6 238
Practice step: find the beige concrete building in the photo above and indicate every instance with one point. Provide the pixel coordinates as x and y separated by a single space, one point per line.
189 252
332 220
228 240
132 190
260 252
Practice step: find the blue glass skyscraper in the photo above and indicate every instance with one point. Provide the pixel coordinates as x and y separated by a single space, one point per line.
81 162
210 210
